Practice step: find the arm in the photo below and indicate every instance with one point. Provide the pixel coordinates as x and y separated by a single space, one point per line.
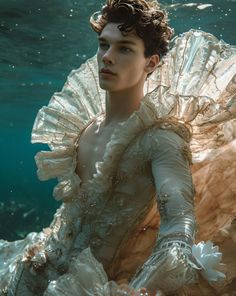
171 265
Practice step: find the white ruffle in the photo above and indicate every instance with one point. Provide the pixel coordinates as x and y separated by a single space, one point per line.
11 253
87 277
209 258
84 274
196 83
61 164
60 124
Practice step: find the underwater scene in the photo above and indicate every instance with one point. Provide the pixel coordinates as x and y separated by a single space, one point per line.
41 42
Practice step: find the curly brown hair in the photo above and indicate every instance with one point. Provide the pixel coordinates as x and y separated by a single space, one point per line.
144 16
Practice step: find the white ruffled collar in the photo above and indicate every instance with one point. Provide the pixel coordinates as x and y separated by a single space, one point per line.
70 185
183 86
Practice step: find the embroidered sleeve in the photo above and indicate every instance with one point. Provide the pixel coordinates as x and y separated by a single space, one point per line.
175 260
171 264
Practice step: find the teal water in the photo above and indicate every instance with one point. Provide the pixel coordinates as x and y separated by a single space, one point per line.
41 42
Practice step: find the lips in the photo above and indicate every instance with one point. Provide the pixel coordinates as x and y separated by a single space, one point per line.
106 71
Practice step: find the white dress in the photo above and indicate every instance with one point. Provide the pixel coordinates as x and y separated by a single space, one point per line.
106 238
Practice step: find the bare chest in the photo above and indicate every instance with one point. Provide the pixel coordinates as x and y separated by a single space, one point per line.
91 149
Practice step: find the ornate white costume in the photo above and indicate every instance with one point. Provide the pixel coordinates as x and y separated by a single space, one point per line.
113 217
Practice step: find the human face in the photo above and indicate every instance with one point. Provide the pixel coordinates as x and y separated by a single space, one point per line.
121 60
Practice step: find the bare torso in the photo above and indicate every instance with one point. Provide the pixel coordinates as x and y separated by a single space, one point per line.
92 146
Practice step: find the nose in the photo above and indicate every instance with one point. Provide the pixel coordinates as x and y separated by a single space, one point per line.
108 57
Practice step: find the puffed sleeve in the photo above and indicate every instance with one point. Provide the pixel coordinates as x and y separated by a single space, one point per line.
172 264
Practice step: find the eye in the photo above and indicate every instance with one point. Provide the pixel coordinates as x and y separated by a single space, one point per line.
103 45
125 49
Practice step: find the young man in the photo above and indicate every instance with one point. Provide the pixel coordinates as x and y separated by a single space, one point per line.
123 69
113 168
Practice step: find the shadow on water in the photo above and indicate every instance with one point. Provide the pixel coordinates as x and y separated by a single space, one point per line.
41 42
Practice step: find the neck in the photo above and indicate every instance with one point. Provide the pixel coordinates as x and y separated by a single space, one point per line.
120 105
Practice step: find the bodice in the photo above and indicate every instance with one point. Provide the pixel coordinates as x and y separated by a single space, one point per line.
115 213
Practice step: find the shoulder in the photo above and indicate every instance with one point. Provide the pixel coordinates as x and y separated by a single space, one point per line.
168 130
167 136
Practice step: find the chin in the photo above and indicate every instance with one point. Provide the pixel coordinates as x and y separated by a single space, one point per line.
106 87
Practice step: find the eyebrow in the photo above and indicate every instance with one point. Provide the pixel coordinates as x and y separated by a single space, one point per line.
127 42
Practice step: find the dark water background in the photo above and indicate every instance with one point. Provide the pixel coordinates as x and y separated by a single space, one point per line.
40 43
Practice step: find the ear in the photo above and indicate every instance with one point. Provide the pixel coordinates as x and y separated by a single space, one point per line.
152 63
